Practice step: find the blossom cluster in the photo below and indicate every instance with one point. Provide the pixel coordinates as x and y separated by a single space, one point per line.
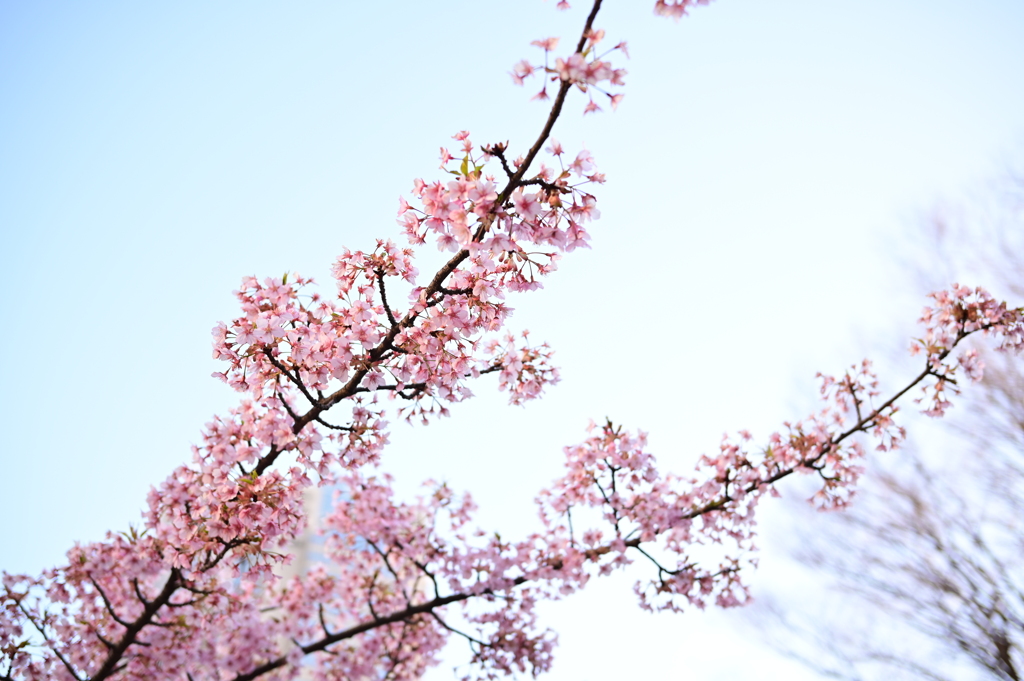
584 68
549 209
671 521
957 313
676 9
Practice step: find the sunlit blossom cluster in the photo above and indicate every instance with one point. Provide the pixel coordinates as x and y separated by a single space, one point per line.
584 68
956 314
676 9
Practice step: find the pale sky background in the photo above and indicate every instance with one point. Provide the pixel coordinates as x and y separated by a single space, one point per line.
762 169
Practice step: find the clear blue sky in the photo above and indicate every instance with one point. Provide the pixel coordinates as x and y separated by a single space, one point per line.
761 171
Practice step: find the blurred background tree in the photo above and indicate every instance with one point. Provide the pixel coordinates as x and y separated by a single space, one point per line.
926 571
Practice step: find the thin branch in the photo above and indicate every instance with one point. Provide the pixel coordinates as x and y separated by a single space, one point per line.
106 603
471 639
39 628
399 616
323 623
384 297
294 379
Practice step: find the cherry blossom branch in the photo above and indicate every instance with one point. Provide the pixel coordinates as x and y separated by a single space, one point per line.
556 110
206 529
436 284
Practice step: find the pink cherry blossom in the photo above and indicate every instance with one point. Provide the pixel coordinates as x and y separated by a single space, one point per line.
196 590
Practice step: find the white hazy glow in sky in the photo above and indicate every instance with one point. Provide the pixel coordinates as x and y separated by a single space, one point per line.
760 171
